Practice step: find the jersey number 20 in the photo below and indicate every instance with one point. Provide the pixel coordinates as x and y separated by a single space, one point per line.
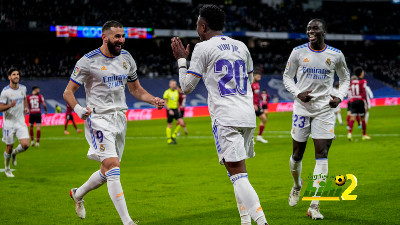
237 71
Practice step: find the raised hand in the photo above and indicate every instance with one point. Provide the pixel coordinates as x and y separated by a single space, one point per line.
178 50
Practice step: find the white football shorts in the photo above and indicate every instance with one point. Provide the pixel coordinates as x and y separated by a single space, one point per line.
233 143
321 126
337 109
105 134
9 134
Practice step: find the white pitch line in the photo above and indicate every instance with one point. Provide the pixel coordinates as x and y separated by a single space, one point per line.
2 170
203 137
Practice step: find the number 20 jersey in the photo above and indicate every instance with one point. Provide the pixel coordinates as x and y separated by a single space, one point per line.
226 67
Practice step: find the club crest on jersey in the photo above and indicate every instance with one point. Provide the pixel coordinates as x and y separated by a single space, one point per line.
102 148
124 65
328 62
76 70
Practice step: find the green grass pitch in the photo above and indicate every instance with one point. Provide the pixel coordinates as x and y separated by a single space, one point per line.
184 184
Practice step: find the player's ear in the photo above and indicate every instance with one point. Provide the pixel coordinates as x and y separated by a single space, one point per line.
104 37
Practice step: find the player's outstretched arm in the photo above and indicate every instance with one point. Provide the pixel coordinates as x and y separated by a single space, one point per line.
141 94
69 97
4 107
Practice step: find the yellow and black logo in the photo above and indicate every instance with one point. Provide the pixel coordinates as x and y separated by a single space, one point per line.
102 148
328 62
124 65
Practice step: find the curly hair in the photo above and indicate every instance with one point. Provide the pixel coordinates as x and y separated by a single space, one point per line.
214 16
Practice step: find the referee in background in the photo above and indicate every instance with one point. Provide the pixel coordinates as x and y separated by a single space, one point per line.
171 96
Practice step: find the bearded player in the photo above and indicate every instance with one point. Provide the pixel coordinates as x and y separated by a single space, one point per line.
35 101
105 72
217 60
358 99
257 107
314 64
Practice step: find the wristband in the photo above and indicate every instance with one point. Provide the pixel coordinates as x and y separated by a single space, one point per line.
182 62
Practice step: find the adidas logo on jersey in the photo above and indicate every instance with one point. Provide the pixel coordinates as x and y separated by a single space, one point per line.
306 60
103 68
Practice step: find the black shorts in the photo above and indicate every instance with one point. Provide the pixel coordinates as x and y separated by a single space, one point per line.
182 113
35 118
176 115
358 108
69 117
349 106
259 112
265 107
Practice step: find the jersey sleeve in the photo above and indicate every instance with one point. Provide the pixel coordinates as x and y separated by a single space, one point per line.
41 98
190 78
81 71
3 97
24 88
290 72
344 76
132 75
250 68
165 96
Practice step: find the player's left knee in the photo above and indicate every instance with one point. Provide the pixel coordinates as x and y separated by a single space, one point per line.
25 146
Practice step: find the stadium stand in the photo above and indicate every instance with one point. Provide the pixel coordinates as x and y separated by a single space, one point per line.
37 55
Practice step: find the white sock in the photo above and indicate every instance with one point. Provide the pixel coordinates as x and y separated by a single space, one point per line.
320 171
339 117
295 169
7 160
366 117
248 196
96 180
17 150
117 195
244 215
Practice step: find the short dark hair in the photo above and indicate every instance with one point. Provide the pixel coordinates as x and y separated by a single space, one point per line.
358 71
34 87
214 16
322 22
111 23
11 70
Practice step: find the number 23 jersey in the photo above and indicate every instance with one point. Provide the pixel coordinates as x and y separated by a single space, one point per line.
226 67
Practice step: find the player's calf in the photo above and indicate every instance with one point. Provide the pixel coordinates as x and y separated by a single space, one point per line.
116 194
249 197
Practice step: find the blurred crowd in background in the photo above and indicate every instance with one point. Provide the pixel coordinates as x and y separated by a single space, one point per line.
38 54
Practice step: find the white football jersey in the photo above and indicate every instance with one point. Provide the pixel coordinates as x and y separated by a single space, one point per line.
226 67
14 116
105 78
315 72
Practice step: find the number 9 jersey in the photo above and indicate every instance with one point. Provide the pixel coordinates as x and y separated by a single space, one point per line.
226 67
